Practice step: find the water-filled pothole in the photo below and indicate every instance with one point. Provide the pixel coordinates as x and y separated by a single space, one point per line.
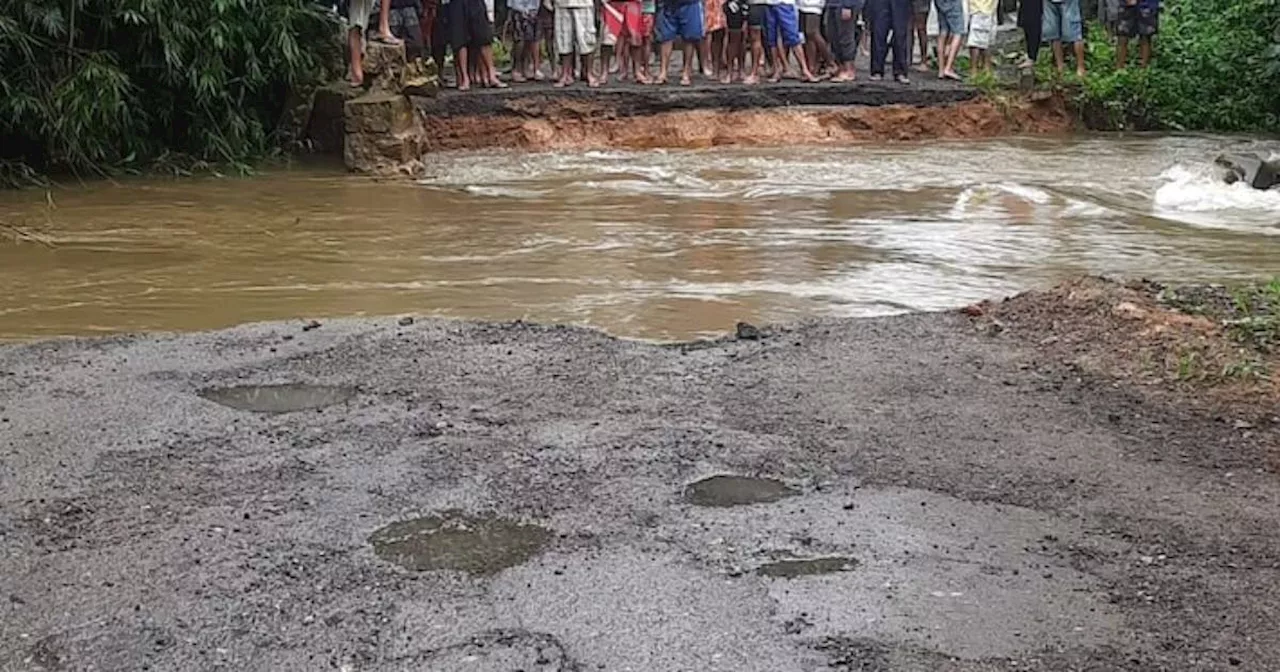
736 491
790 569
480 545
278 398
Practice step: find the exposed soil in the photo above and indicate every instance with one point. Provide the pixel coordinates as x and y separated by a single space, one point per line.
591 124
995 503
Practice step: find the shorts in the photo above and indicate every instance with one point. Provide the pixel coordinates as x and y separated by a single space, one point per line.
736 14
682 20
623 22
406 24
469 24
757 15
358 13
522 25
713 17
575 30
782 20
1062 21
810 24
1136 21
950 16
982 31
546 22
920 7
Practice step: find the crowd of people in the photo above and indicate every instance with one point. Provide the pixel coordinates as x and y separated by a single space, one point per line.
745 41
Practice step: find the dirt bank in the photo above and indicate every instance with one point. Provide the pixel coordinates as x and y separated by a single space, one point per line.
938 493
581 124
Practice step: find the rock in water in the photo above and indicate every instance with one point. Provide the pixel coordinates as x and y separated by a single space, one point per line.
748 332
1250 169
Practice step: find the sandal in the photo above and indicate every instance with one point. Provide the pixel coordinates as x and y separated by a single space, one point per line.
389 40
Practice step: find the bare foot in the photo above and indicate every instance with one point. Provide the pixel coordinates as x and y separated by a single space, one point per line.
563 82
776 77
810 78
464 85
685 80
518 77
1080 72
538 76
642 78
661 80
726 78
497 83
708 73
751 80
951 74
595 82
922 67
840 78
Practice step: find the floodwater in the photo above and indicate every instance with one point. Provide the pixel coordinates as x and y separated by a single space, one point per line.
655 244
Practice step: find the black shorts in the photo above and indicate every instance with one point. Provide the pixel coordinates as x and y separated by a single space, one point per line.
469 24
1138 21
736 14
755 17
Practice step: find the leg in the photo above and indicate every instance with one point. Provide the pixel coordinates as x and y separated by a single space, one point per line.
664 63
384 23
1122 52
717 52
355 41
810 49
1033 25
486 61
686 70
464 72
1079 49
880 25
1145 48
901 22
922 38
1059 61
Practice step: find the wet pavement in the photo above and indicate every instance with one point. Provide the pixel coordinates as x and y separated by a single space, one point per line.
908 494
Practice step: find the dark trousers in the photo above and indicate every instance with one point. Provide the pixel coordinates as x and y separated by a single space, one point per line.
1031 17
842 34
890 16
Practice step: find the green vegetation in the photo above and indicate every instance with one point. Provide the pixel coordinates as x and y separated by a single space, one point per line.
1216 67
101 86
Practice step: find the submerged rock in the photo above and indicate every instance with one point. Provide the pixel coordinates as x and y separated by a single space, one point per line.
1250 169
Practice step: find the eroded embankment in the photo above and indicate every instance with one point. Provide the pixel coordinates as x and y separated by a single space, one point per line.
586 124
895 493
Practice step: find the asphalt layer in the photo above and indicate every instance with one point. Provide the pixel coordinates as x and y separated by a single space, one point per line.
977 509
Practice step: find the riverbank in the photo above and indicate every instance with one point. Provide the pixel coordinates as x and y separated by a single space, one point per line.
387 133
971 497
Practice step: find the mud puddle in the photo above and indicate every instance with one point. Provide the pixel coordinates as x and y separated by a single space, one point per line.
797 567
454 541
726 490
286 398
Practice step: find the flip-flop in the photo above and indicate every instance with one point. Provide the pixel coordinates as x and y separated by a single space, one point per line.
389 41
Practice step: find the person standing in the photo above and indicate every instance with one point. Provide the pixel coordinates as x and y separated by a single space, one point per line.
951 29
575 34
711 51
522 23
757 17
682 19
1064 24
471 34
1031 19
358 13
783 23
920 30
737 13
842 18
982 30
1140 19
817 51
890 16
624 20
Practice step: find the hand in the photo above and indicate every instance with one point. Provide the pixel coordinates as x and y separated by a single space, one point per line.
846 14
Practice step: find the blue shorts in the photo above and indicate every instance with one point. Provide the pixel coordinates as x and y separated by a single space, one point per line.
782 19
1062 21
683 20
951 17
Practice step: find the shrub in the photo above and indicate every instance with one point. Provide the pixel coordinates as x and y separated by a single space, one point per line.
96 85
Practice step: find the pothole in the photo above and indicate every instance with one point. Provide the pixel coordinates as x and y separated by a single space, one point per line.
479 545
278 398
736 491
790 569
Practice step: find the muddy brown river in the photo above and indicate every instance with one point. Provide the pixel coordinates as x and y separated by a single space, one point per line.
655 244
